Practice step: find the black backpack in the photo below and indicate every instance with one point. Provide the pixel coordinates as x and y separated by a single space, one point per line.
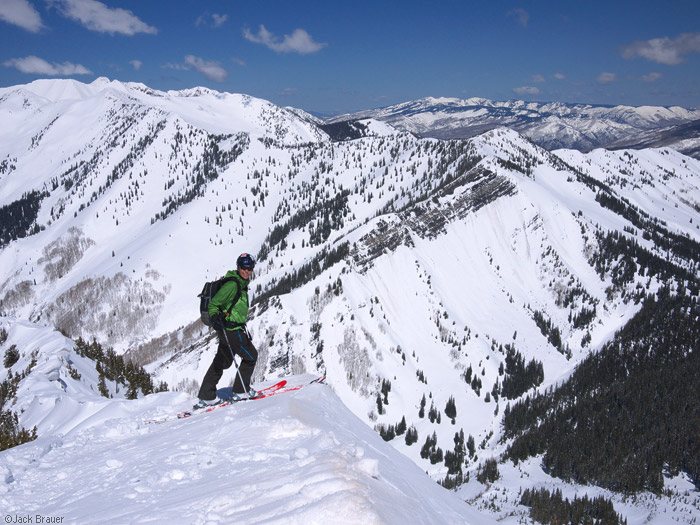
209 291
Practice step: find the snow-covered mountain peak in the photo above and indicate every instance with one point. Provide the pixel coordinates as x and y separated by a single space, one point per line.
203 108
552 125
377 128
56 90
501 137
441 100
104 82
195 92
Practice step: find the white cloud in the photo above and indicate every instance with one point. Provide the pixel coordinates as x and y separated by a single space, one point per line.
527 90
177 67
522 16
96 16
218 20
538 78
606 78
39 66
559 76
298 42
21 13
664 50
215 20
136 63
210 69
651 77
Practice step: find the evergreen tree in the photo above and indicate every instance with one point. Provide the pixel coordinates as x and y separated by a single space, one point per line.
11 433
102 385
429 446
386 388
388 432
455 459
380 406
11 356
401 426
471 446
488 471
433 413
451 409
551 508
411 435
421 410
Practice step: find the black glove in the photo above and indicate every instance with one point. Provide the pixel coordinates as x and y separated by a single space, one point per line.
217 322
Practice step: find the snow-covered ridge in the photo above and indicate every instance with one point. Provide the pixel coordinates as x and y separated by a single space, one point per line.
201 107
298 458
552 125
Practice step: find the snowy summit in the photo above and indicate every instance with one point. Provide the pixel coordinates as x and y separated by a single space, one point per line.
300 457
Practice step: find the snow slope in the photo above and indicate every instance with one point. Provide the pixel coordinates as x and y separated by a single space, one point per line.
451 249
300 457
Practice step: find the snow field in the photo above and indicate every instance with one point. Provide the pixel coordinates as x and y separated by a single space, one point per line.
295 458
299 457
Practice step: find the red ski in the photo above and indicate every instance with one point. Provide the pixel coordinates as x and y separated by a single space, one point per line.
278 388
264 392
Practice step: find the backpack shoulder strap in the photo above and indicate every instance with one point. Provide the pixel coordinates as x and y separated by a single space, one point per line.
239 292
236 298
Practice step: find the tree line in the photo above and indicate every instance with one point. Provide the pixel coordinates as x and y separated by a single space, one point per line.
630 413
18 219
552 508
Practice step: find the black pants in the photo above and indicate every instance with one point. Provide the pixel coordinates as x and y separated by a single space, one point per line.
236 342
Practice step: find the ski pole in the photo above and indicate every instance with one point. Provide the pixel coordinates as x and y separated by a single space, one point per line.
233 357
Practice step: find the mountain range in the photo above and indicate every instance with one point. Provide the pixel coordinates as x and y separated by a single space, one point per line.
439 284
552 125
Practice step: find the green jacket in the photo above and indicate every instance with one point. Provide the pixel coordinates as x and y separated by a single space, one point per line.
221 302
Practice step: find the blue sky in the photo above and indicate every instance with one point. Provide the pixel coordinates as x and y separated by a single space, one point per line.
333 57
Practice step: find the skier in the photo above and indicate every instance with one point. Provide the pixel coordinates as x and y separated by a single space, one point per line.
228 320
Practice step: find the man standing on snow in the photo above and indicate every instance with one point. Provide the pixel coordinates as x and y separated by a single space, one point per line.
228 311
